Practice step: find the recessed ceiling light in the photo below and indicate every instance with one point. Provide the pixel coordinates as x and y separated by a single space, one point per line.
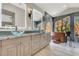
65 6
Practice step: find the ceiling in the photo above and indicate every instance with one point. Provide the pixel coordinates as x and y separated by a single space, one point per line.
58 9
19 5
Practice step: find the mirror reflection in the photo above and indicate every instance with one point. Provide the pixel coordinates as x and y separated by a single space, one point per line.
27 17
35 17
13 15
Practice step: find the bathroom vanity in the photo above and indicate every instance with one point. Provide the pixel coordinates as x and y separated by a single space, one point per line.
24 45
28 18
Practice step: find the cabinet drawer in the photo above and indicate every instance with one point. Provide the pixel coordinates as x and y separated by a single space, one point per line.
10 42
36 36
25 39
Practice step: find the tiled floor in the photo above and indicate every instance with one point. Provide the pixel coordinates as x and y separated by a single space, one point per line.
47 51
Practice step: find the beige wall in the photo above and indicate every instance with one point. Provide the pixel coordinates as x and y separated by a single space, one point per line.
0 14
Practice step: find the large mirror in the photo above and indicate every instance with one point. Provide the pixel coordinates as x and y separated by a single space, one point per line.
35 17
13 15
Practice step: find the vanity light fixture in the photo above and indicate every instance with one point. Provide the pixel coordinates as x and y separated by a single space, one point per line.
29 12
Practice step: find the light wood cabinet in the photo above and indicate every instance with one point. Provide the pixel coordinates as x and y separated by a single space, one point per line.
35 43
26 46
45 40
48 38
13 50
10 47
16 47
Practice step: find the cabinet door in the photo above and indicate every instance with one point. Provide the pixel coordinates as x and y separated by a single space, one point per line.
43 40
35 43
26 46
10 47
13 50
48 38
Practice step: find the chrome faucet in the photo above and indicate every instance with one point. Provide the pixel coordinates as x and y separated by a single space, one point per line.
16 28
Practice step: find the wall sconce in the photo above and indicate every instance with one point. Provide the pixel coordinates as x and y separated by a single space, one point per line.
30 12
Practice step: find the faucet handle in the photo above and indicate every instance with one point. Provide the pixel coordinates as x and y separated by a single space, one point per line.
15 28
